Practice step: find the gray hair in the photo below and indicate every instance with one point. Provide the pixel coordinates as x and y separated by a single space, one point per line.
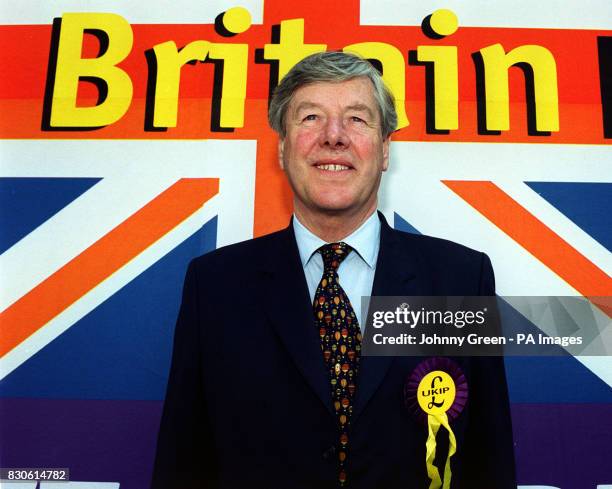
332 66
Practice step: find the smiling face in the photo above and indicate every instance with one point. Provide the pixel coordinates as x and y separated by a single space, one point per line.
333 151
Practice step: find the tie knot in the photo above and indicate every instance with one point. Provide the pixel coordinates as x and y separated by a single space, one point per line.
333 254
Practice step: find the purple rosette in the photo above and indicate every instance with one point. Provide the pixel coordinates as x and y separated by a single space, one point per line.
420 371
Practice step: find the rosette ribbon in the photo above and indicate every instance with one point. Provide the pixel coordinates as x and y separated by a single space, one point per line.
436 392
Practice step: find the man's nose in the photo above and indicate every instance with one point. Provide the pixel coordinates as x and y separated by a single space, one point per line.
334 134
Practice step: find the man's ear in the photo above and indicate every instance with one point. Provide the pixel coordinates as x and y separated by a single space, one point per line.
281 151
386 144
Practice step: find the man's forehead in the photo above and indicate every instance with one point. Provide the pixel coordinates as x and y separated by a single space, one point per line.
356 93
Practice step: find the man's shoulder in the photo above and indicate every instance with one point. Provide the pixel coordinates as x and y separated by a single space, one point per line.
437 249
243 254
453 269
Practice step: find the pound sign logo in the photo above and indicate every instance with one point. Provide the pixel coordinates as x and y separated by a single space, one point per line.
436 392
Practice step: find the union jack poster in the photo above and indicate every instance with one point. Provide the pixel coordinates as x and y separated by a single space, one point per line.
134 138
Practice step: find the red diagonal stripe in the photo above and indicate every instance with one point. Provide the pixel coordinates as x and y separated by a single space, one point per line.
103 258
533 235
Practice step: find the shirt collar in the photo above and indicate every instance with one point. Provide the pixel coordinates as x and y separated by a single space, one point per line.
365 240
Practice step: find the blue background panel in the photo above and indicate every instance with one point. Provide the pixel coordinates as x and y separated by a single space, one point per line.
25 203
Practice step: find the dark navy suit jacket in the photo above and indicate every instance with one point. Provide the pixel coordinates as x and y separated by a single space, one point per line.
248 403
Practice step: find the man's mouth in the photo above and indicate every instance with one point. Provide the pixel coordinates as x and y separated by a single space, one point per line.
333 166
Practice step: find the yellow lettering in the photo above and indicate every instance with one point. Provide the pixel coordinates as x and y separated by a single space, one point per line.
291 48
169 62
542 64
446 81
444 22
237 20
233 89
71 67
233 77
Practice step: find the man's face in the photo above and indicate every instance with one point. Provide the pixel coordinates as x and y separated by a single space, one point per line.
333 152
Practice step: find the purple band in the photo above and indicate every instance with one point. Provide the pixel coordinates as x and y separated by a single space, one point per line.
421 370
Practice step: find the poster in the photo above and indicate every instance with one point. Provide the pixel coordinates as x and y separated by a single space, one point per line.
134 139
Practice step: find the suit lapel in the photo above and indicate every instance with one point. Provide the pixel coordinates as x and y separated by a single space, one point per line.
398 273
287 303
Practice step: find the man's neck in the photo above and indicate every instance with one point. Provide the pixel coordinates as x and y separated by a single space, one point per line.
333 227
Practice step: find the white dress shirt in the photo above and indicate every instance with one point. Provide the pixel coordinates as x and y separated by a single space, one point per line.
356 272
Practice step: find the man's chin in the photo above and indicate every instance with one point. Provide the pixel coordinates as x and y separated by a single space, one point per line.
334 205
338 209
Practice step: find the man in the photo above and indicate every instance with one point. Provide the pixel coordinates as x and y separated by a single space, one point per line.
267 387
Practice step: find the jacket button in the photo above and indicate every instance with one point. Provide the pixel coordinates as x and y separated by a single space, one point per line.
329 453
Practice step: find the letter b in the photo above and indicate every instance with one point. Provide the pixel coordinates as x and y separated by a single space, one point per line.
71 67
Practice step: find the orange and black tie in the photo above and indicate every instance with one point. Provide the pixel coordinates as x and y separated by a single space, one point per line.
341 344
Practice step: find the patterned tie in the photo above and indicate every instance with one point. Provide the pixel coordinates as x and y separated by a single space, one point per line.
340 341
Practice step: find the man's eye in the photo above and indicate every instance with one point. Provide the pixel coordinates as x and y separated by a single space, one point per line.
310 117
357 119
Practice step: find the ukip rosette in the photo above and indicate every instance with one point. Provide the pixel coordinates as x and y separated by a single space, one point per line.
436 393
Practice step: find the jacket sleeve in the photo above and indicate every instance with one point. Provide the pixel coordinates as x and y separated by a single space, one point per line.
185 457
489 443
